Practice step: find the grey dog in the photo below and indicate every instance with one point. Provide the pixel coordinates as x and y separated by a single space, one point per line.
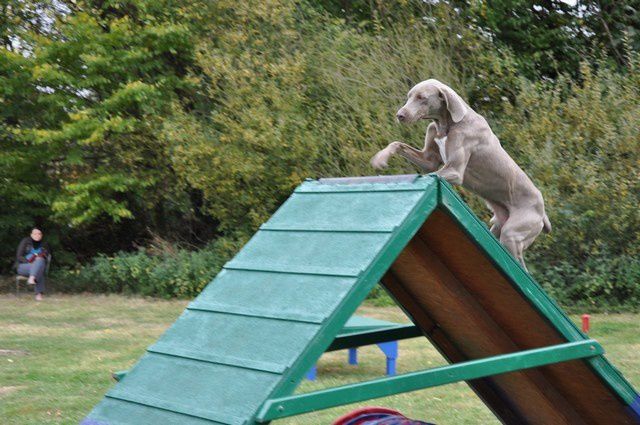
460 145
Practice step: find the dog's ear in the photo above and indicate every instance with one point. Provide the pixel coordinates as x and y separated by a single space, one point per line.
455 104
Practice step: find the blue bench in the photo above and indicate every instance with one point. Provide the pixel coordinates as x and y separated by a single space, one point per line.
360 331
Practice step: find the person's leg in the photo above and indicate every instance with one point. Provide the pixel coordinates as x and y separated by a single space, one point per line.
35 271
38 268
24 269
27 270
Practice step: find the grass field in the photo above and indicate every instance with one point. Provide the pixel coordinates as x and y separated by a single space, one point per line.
56 358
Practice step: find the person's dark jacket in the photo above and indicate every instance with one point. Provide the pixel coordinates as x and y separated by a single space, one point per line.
26 245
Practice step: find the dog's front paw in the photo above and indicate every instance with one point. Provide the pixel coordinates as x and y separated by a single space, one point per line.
452 177
380 160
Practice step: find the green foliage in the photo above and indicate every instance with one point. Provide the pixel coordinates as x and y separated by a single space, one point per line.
603 283
363 79
174 272
253 146
88 86
194 120
113 68
615 27
552 36
580 145
24 182
380 297
545 35
359 88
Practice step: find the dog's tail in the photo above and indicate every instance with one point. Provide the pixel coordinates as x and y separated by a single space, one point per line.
546 224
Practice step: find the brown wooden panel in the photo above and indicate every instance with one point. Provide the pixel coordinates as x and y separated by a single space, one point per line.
484 388
449 286
475 334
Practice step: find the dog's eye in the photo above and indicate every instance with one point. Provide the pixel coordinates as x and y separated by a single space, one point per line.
419 97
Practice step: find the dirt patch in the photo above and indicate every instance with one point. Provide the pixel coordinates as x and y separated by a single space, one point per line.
4 352
9 389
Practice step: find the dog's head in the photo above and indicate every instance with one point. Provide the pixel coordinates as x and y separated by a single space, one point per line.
428 100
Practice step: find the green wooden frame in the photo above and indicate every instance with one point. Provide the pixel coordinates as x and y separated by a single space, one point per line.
355 339
142 393
366 281
529 288
441 195
304 403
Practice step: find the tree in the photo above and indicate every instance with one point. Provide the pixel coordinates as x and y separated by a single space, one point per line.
86 87
252 146
615 25
25 185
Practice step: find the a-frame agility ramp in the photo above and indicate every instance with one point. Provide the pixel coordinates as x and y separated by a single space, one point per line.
239 350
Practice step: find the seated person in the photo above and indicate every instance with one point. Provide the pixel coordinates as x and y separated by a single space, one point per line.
31 260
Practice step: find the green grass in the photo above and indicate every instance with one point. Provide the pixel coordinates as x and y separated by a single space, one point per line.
65 348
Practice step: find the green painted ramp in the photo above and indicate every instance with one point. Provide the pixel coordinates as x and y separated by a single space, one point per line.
244 344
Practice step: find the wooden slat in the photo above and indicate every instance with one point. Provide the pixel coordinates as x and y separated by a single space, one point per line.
475 333
484 388
516 317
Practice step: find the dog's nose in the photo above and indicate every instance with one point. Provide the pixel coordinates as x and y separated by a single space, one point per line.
401 116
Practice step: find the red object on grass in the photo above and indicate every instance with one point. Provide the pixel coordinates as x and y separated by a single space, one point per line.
585 323
350 417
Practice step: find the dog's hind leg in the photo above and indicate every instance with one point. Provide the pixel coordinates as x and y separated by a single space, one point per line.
514 247
519 232
500 216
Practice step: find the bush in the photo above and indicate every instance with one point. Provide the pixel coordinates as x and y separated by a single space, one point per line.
580 145
600 284
267 94
175 273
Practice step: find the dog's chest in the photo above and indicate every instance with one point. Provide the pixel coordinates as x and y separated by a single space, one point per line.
441 145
